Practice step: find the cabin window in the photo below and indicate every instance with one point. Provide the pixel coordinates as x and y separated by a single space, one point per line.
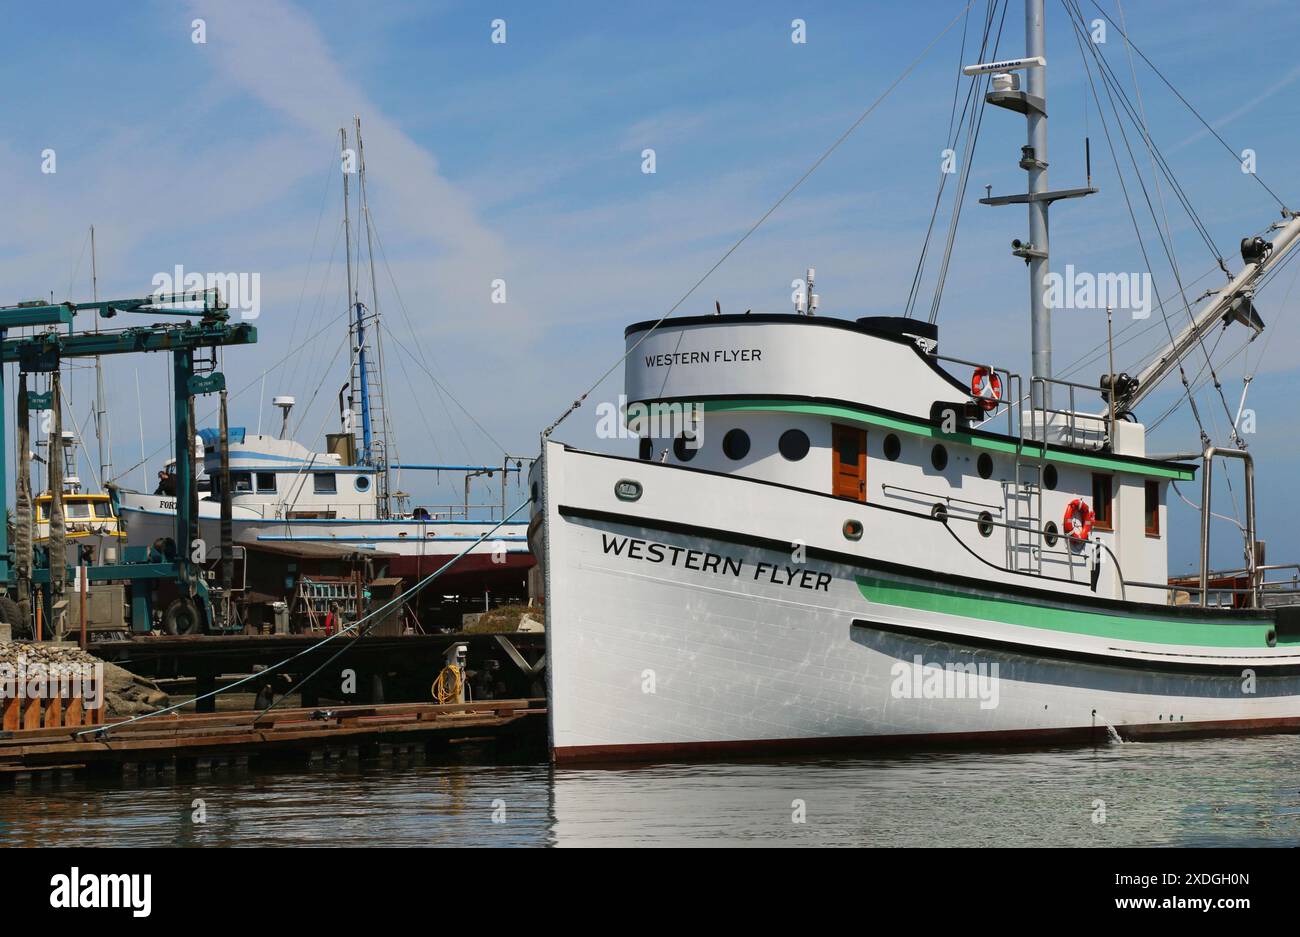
939 458
77 509
361 483
645 449
1153 509
1050 478
266 482
893 448
103 509
324 483
736 444
794 444
241 482
1102 501
44 512
685 447
985 465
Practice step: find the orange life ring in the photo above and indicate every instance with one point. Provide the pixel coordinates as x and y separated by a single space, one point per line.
1077 522
986 388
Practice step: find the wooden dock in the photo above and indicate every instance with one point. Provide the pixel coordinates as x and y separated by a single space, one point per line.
197 740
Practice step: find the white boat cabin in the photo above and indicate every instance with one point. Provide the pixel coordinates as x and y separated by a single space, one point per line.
868 412
273 477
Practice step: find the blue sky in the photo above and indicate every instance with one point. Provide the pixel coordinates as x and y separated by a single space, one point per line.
522 161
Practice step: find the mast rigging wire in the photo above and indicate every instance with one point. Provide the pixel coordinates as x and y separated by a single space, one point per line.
1133 215
777 204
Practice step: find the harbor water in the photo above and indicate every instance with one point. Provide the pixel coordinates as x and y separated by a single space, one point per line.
1216 792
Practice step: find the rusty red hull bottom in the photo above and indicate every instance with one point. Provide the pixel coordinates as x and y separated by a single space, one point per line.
746 748
473 572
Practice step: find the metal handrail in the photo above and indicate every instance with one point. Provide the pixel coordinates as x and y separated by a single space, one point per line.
1207 473
1119 572
884 487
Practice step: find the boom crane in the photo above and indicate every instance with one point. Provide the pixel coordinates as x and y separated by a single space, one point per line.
1234 303
151 573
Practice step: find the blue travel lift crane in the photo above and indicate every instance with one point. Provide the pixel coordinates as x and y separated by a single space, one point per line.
152 574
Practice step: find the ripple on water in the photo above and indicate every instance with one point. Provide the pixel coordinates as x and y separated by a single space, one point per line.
1203 792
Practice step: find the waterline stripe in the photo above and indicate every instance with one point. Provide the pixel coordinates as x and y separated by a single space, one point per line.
1150 629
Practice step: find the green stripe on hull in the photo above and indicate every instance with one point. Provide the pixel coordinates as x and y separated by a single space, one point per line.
1151 629
921 428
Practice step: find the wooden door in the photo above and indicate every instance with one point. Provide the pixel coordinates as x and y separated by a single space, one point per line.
849 446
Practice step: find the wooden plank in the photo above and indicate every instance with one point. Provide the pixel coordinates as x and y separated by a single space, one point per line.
12 712
32 713
51 751
54 713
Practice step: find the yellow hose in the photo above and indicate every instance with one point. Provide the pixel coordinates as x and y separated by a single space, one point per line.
445 691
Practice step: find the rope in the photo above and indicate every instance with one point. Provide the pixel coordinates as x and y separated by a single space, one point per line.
777 204
1235 156
402 599
445 692
1129 205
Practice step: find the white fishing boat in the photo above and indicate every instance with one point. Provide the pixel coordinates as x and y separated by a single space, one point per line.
851 539
283 492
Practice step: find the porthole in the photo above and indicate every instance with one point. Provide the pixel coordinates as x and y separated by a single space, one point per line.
939 458
646 449
735 445
985 465
1049 478
1050 534
853 530
793 444
940 512
362 483
534 492
986 524
685 447
893 448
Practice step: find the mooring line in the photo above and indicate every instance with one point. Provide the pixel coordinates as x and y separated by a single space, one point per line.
396 600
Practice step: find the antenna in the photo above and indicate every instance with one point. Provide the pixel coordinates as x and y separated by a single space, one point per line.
285 404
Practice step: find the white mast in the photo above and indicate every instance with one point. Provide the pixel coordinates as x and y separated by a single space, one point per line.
101 407
1034 161
1032 103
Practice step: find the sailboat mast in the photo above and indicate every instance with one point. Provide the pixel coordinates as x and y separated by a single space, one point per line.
356 329
356 319
1035 163
101 409
376 443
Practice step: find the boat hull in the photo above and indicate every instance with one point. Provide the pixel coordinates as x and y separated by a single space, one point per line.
414 549
667 639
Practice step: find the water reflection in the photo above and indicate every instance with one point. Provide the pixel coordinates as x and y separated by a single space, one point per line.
1214 792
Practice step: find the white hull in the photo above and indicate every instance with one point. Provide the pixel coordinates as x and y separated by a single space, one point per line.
148 518
650 657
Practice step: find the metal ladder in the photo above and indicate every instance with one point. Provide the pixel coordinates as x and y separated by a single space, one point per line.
1025 505
379 455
